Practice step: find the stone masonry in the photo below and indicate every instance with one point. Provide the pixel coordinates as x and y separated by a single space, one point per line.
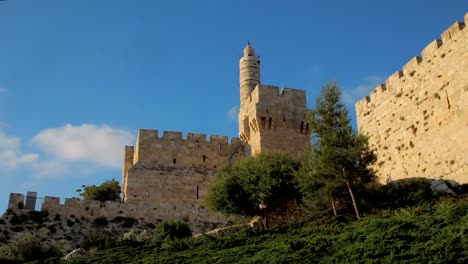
167 177
418 120
270 119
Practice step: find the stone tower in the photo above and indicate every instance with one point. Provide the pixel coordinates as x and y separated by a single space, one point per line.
270 119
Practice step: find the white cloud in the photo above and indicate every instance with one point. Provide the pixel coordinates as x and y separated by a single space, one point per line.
233 113
351 96
11 155
78 150
101 146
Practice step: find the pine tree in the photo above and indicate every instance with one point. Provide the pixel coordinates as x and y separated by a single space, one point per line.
340 157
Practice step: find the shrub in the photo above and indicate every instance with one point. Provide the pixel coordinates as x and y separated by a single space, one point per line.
100 221
172 230
70 223
398 194
99 241
15 220
29 247
126 221
107 191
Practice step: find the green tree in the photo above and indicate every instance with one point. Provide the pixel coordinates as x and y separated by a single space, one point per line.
340 157
107 191
255 186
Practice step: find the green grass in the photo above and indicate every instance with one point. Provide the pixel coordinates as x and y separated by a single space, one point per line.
419 234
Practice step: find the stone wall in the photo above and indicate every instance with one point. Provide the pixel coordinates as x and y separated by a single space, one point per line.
418 120
169 208
168 177
275 121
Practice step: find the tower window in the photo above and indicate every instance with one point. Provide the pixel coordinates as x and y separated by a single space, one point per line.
267 110
197 192
174 161
196 144
269 122
262 121
302 127
204 158
284 118
307 128
219 146
172 142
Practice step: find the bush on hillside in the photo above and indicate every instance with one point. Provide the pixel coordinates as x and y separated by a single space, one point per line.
399 194
172 230
30 247
255 186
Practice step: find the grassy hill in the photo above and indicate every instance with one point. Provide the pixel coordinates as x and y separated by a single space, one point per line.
426 233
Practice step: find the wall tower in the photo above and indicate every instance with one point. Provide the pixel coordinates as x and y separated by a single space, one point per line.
270 119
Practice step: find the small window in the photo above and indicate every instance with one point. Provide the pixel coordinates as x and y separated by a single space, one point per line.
197 192
173 161
262 122
196 144
267 110
204 158
302 127
172 142
219 146
269 122
284 118
307 128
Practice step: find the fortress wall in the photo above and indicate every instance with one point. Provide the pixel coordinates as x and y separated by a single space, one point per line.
170 175
80 208
173 150
278 121
418 120
170 192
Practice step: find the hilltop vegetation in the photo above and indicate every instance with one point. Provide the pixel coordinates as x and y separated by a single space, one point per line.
427 233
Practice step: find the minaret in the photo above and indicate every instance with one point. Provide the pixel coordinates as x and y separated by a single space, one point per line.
249 75
249 66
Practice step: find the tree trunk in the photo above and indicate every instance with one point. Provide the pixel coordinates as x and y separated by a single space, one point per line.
352 197
354 200
333 206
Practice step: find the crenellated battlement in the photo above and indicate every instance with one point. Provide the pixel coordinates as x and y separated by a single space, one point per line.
145 135
431 56
415 121
172 149
265 93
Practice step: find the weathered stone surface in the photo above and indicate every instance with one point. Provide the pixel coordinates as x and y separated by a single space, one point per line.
418 124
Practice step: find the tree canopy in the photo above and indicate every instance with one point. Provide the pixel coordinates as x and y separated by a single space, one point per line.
340 157
107 191
254 185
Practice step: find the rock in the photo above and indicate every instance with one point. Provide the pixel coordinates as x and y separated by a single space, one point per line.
444 186
79 252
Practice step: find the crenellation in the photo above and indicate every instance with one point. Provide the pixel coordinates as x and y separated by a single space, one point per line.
411 67
393 82
16 201
429 52
416 126
172 135
452 32
197 138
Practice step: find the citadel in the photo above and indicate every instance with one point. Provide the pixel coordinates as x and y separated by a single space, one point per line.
417 122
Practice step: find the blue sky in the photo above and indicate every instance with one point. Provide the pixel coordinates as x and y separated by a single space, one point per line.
79 78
